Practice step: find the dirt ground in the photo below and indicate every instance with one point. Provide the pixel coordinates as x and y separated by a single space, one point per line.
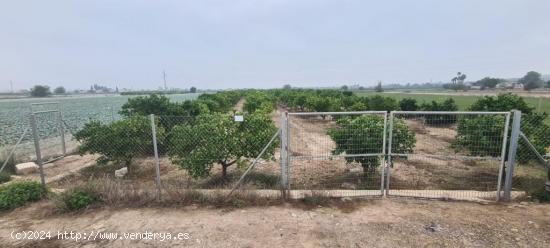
432 165
309 138
394 222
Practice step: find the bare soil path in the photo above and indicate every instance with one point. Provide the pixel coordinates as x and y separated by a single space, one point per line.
393 222
239 107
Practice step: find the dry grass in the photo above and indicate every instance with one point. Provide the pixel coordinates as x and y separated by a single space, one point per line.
118 193
317 199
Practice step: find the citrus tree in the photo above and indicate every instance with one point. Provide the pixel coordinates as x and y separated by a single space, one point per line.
120 141
440 119
483 135
215 138
364 134
258 100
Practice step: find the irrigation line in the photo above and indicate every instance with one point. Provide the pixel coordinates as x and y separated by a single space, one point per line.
253 163
13 150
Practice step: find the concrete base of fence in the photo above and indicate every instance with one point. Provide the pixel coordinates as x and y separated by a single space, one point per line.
461 195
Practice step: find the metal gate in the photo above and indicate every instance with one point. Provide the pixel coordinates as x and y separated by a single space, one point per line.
48 131
334 153
457 155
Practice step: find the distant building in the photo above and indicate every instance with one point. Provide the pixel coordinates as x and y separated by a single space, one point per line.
512 85
475 87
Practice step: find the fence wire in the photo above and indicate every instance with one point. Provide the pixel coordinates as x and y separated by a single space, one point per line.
213 151
455 155
341 152
532 169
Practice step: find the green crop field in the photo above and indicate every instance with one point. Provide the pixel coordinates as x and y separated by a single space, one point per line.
77 110
463 102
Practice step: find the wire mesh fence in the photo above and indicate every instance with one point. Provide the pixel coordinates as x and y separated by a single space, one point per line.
337 151
455 154
212 151
17 132
532 168
458 155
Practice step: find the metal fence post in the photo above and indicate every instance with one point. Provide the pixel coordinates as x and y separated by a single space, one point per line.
287 144
155 149
388 167
383 159
514 137
37 149
503 156
284 154
62 132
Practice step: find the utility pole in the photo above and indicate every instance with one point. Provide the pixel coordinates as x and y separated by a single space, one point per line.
11 86
164 77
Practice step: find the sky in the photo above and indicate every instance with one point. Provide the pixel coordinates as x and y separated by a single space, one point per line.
266 44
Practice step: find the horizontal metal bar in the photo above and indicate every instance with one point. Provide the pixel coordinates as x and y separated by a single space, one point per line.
45 111
445 156
301 157
338 113
451 112
44 103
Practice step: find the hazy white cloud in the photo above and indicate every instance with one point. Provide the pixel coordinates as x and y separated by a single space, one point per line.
219 44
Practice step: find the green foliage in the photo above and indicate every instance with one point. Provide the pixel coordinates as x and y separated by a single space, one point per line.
161 105
298 102
408 104
152 104
40 91
259 100
404 139
488 82
78 199
531 80
364 134
193 89
456 86
221 102
502 102
352 102
380 103
4 177
537 131
59 90
119 141
357 106
472 132
480 135
18 193
332 100
436 119
227 141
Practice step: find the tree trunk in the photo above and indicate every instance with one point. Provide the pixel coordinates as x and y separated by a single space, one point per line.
224 167
127 164
224 170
